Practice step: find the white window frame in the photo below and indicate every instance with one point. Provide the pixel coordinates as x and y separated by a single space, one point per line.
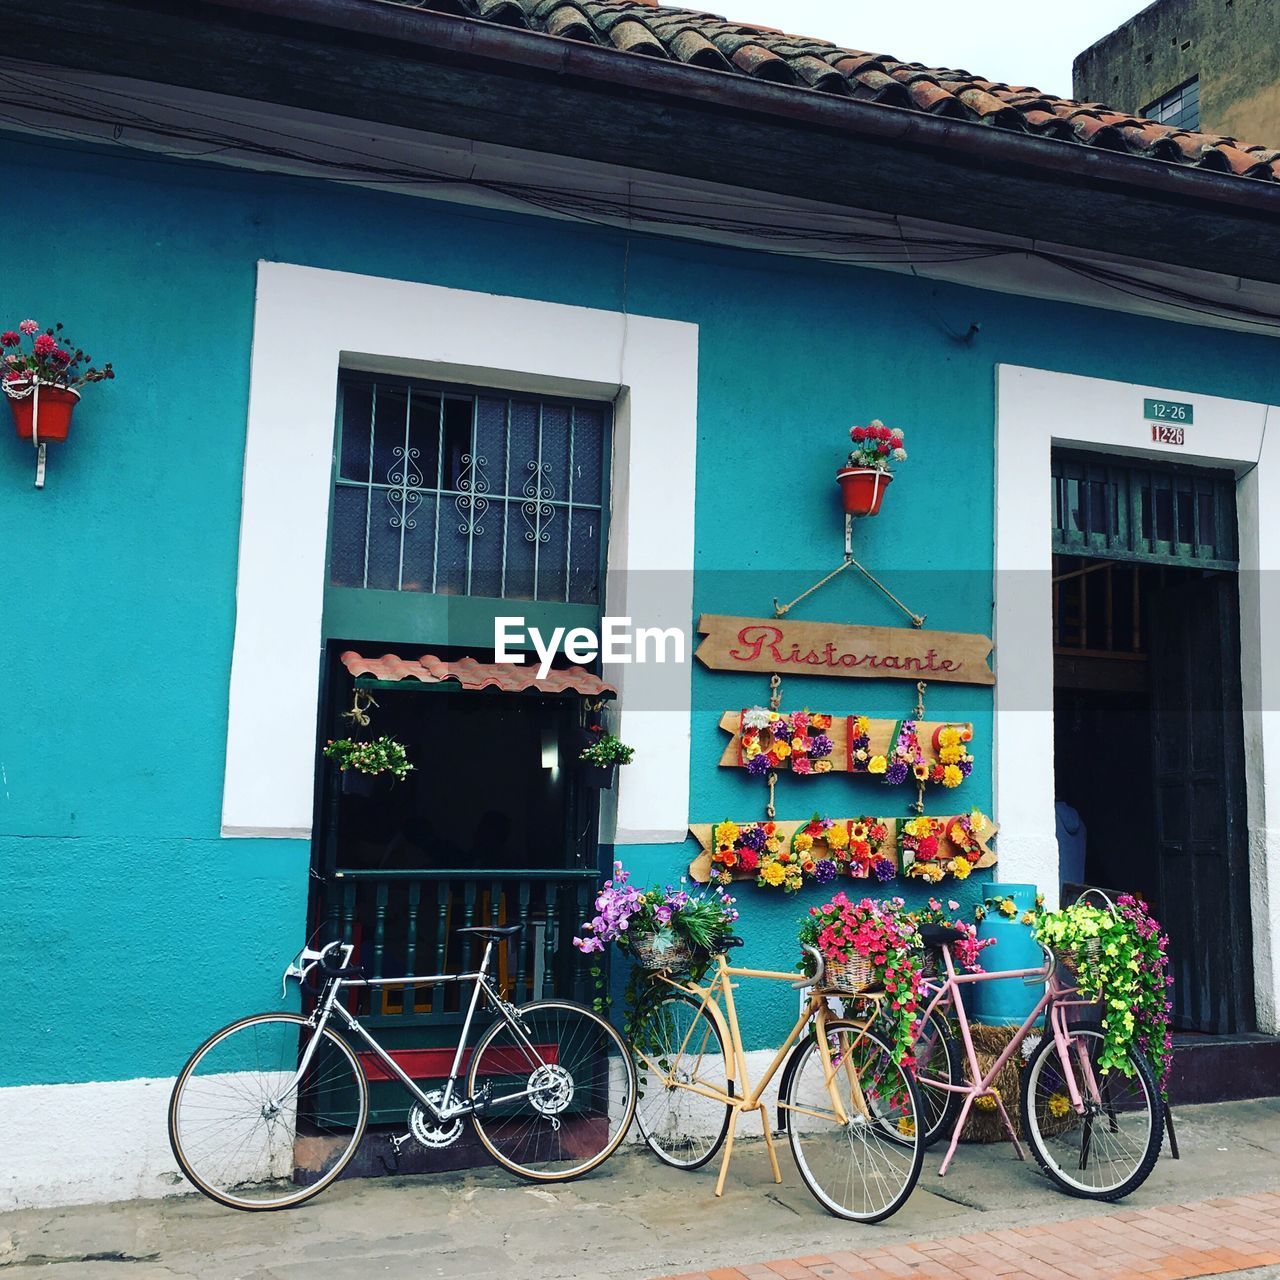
309 323
1037 409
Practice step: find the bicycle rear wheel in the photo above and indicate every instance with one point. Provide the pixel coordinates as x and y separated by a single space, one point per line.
854 1169
1109 1151
938 1059
679 1050
250 1137
562 1091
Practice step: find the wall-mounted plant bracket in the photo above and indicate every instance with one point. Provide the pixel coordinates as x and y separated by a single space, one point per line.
40 451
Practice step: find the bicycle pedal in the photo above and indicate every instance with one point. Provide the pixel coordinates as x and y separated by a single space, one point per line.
483 1098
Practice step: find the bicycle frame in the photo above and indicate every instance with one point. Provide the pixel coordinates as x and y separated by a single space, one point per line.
979 1085
748 1098
447 1108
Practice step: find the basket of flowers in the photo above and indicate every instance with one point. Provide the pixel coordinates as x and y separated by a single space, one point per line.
868 946
664 929
966 950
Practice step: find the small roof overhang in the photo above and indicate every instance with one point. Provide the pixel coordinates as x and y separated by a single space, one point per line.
467 673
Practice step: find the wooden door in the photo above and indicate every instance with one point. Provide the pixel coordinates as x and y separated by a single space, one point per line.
1200 828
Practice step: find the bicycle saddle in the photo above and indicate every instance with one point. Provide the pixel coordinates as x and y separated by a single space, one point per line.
939 935
727 943
492 931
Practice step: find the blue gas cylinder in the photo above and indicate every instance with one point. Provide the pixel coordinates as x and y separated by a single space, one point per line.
1006 1002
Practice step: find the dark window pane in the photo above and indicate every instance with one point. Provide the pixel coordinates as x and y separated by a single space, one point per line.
424 436
584 576
357 414
390 406
588 453
346 551
491 444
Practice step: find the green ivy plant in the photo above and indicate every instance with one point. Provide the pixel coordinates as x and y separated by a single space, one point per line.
607 751
1109 954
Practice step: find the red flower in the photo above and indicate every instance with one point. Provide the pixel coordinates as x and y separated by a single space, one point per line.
928 847
749 859
858 433
13 376
62 357
882 447
9 339
45 345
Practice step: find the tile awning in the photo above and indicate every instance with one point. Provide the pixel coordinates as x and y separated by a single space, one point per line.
507 677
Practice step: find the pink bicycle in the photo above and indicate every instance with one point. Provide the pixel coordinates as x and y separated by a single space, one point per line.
1095 1131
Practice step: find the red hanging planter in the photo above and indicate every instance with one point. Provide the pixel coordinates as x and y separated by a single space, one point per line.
41 408
863 489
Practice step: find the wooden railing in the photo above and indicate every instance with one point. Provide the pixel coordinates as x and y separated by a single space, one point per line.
406 922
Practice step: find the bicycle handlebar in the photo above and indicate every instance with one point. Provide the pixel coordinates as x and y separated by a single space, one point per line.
819 968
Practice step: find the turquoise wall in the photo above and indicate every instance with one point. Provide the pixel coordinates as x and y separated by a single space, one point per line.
132 929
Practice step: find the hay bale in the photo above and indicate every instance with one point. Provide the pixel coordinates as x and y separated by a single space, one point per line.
983 1121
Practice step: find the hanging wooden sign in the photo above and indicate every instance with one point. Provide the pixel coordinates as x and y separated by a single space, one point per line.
834 649
879 735
845 854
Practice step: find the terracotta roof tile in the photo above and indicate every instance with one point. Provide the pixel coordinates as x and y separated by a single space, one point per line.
708 42
470 674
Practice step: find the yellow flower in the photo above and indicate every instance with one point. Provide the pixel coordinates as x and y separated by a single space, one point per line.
877 764
949 737
837 837
781 750
977 821
797 744
985 1103
727 833
863 725
951 776
906 1126
773 844
921 771
918 827
822 766
751 748
803 842
773 873
1059 1105
950 755
960 868
957 834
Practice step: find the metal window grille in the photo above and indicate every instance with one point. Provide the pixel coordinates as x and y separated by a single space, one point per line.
469 492
1179 107
1156 514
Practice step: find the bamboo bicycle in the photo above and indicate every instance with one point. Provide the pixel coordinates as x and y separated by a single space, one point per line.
1095 1131
848 1109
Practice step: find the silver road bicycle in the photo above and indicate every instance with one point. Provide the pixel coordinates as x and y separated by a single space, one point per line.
271 1109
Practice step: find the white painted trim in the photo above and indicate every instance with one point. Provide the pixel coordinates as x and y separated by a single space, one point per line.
1035 410
86 1143
308 323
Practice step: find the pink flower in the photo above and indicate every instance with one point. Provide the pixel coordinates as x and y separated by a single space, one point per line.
29 327
45 345
9 338
13 376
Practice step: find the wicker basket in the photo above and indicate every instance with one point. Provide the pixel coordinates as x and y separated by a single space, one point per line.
853 975
676 956
1092 960
930 962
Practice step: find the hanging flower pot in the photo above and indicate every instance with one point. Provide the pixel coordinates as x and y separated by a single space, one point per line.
42 409
865 476
863 489
600 757
355 782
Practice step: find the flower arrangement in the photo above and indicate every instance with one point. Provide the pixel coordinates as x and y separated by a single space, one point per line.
739 848
381 755
876 446
818 837
886 936
606 750
820 851
774 740
1152 981
966 950
905 759
1109 950
626 914
50 359
866 840
954 762
926 845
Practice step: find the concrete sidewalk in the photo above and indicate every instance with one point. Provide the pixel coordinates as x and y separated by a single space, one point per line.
633 1220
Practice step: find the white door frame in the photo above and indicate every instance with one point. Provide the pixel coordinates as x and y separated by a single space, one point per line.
1036 409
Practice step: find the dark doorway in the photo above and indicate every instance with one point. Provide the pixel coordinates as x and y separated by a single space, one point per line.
1148 732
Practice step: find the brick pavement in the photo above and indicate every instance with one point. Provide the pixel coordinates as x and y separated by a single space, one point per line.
1167 1242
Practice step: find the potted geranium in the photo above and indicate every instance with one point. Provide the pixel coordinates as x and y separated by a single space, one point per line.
602 754
42 372
362 762
866 946
865 477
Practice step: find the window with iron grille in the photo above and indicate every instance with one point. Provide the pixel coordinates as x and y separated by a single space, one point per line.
469 492
1179 107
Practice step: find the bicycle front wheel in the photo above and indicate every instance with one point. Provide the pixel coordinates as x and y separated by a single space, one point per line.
555 1093
266 1114
852 1166
1109 1150
680 1061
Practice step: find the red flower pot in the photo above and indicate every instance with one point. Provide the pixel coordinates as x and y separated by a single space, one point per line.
863 489
55 406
